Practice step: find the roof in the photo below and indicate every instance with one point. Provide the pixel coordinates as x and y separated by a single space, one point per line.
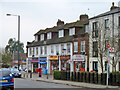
113 11
55 39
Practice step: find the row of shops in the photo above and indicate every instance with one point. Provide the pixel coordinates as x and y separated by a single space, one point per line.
58 63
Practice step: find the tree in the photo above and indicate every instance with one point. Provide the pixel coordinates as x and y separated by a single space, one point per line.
13 46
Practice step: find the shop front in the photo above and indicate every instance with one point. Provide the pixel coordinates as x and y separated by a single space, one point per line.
34 64
79 62
54 63
65 65
43 64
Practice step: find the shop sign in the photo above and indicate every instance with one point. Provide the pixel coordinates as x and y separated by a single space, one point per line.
53 57
78 58
42 59
65 57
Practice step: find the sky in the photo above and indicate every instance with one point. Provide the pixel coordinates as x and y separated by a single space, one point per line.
41 14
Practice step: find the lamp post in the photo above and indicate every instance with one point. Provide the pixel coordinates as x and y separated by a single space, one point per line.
18 33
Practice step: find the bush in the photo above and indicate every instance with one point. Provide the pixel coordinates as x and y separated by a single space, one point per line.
57 75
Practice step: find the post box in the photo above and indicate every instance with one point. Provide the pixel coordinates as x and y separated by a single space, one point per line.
39 71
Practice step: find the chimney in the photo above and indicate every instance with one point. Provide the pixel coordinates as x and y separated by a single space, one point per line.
60 23
113 6
83 17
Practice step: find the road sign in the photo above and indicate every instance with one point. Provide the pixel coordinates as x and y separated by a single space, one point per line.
111 50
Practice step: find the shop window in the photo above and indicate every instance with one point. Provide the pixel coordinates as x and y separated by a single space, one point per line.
75 46
95 66
82 46
107 23
95 49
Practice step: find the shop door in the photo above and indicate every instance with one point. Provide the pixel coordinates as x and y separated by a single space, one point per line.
35 67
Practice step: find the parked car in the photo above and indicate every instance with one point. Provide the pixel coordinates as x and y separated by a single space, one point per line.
6 79
15 72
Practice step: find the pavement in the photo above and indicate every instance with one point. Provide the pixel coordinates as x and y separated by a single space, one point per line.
50 79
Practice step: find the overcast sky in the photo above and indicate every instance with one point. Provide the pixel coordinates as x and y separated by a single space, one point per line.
41 14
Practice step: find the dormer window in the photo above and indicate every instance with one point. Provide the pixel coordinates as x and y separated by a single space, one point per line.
72 31
61 33
49 35
42 37
36 38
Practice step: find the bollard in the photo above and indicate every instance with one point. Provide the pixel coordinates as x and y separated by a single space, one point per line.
30 74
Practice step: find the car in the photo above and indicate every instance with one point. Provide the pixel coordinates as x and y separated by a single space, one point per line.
15 72
6 79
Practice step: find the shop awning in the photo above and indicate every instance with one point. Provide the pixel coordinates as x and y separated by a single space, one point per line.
43 62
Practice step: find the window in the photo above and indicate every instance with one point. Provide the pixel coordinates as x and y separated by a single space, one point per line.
119 66
95 66
42 37
61 33
45 50
119 20
36 38
30 52
41 50
107 23
57 49
49 35
82 46
106 66
87 28
52 50
33 51
95 49
95 30
68 48
75 46
37 51
72 31
62 47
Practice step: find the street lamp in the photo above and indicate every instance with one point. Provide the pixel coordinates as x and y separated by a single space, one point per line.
18 33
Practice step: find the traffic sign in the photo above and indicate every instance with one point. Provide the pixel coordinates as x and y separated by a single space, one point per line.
111 50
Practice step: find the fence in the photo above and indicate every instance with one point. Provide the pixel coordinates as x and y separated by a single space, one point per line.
114 79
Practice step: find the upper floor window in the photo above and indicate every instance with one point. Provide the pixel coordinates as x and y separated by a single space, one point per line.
42 37
119 20
52 49
72 31
41 50
95 49
107 23
95 30
33 51
57 49
82 46
61 33
95 66
49 35
36 50
62 48
36 37
45 48
75 46
87 28
30 51
68 48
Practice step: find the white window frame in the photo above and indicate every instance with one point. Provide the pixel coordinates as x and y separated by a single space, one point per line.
82 46
106 23
36 38
71 31
52 49
42 37
75 47
49 35
61 33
